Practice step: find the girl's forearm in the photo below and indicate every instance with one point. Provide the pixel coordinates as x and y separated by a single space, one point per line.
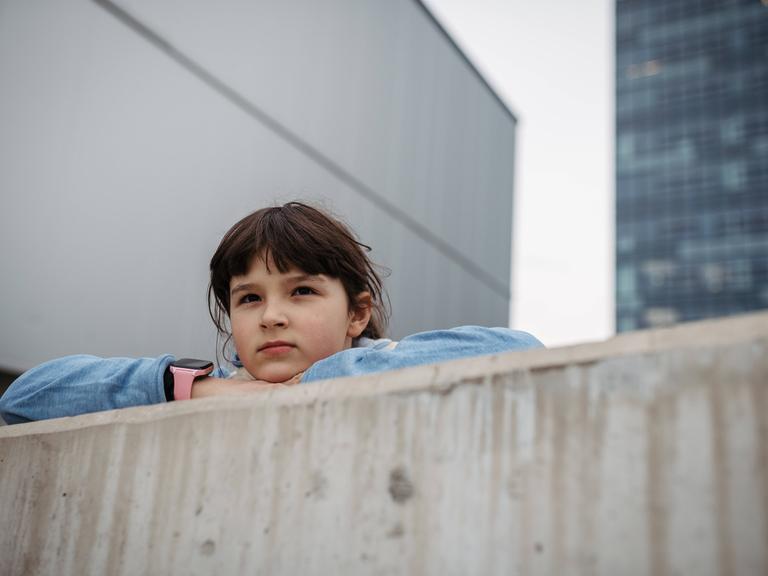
80 384
205 387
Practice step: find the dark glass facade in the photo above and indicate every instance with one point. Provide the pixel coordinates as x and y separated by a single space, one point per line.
691 160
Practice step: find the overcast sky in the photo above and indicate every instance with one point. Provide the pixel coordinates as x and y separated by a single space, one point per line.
552 63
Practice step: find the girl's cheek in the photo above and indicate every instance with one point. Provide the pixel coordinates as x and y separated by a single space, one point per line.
238 335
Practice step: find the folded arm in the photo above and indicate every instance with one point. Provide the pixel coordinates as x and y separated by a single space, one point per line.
422 348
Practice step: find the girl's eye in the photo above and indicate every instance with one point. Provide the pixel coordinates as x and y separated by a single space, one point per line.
303 291
248 298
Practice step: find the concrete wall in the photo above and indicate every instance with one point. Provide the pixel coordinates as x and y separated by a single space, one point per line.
646 454
135 133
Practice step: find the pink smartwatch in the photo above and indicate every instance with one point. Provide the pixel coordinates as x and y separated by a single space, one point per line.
184 372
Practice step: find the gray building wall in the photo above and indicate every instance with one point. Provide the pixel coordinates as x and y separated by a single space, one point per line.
135 133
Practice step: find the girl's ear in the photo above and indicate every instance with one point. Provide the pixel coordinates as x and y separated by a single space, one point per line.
360 314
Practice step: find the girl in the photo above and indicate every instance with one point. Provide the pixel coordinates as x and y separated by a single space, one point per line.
296 294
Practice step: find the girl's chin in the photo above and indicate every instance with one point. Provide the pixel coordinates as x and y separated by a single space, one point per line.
275 377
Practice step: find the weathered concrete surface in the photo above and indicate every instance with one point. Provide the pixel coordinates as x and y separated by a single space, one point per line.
646 454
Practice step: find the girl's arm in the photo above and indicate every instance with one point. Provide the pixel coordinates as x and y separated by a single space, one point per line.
422 348
80 384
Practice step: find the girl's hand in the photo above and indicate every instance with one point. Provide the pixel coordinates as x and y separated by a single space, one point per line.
295 380
232 387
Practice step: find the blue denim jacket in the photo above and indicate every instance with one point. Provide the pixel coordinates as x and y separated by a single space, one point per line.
80 384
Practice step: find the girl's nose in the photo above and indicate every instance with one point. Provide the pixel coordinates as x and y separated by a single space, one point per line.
273 315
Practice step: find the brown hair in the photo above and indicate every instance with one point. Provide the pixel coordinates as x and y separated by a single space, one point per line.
304 237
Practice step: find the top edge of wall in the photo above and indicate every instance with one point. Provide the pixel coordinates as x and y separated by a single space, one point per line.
438 377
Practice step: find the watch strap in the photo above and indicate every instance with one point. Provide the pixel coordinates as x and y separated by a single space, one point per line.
183 379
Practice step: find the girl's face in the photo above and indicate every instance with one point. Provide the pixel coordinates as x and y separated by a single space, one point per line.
282 323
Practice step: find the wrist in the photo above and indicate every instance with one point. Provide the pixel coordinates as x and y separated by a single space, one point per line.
208 386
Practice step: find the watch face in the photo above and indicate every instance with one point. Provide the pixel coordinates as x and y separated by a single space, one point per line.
192 363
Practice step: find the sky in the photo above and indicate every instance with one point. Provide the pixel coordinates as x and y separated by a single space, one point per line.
552 62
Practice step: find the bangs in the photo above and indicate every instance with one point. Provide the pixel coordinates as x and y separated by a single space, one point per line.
287 240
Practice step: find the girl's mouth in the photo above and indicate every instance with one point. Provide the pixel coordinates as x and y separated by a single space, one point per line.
276 348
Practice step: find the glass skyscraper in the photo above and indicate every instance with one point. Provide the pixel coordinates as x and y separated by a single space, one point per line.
691 160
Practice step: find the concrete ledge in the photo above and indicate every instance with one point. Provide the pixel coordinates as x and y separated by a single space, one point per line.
698 335
645 454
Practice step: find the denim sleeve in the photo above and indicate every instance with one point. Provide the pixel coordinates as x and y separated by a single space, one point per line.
80 384
422 348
